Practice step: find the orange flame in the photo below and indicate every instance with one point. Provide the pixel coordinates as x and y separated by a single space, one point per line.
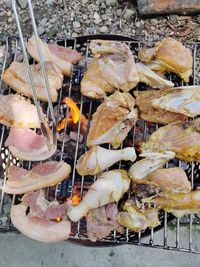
74 117
75 112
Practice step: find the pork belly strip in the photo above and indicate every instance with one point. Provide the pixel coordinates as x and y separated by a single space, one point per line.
45 221
21 181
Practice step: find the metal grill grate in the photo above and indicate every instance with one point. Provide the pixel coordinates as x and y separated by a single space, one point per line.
70 152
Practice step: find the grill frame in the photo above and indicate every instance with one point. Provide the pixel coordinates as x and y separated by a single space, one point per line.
77 238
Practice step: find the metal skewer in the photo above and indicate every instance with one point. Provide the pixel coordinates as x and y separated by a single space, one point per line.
43 123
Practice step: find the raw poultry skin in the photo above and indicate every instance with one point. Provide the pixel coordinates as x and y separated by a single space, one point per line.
37 218
93 84
150 113
109 187
17 78
179 204
112 120
150 163
165 181
98 159
152 78
168 55
183 100
137 219
101 221
181 137
113 67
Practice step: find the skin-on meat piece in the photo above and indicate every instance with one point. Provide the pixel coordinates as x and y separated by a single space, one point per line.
183 138
25 144
17 78
112 120
179 204
135 219
149 164
168 55
98 159
109 188
61 56
102 221
113 67
21 181
165 181
45 222
150 113
184 100
16 111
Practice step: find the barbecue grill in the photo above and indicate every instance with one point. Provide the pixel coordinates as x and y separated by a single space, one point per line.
72 146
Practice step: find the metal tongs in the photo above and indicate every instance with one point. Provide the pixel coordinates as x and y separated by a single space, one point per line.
43 123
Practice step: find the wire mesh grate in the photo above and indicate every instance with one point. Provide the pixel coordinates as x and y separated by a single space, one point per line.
70 151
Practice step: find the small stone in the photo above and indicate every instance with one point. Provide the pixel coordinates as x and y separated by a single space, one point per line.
43 21
154 22
173 19
84 2
41 30
85 16
128 13
111 2
8 3
104 17
74 34
23 3
10 19
103 29
52 32
137 24
119 12
53 20
103 6
197 32
97 18
76 24
9 13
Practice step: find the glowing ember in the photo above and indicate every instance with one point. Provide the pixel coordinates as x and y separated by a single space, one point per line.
75 200
59 219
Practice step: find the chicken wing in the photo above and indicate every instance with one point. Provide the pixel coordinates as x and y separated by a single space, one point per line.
149 164
179 204
112 120
135 219
61 56
113 67
109 188
181 137
168 55
151 78
17 78
147 112
184 100
98 159
165 181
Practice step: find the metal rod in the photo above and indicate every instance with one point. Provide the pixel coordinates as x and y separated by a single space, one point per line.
32 85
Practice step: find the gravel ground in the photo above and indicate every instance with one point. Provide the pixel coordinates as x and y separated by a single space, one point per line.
61 17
